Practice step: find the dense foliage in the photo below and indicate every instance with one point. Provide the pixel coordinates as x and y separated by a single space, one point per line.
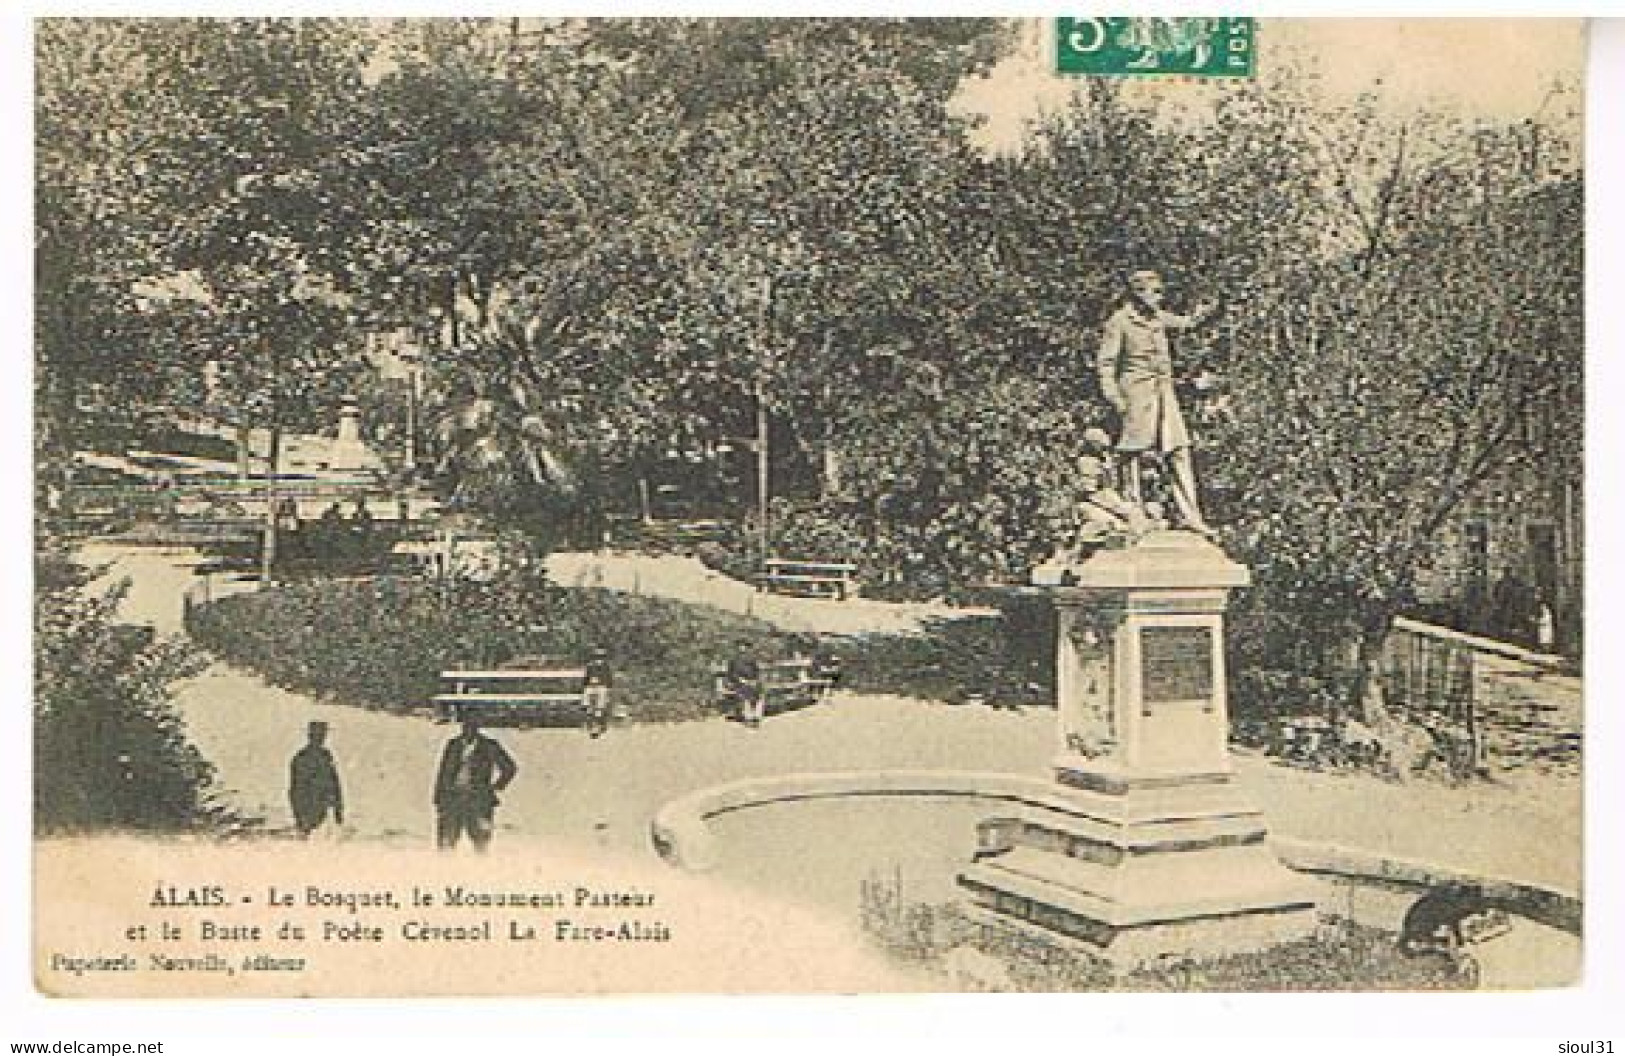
383 642
613 242
109 749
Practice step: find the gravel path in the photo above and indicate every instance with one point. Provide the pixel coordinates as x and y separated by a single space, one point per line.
603 792
685 579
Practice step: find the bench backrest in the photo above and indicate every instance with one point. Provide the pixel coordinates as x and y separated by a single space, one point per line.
476 684
512 696
831 568
778 674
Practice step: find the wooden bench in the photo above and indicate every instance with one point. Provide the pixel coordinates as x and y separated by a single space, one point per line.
550 697
813 579
1301 736
785 684
674 534
793 682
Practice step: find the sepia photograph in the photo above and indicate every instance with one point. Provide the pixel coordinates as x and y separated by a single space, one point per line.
613 506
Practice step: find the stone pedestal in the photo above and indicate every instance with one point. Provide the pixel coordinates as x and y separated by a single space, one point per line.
1157 850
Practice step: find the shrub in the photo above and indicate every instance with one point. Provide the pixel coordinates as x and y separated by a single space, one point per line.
732 557
1341 956
1006 659
109 749
814 534
383 642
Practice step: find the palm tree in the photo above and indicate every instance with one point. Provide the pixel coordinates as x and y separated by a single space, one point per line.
510 430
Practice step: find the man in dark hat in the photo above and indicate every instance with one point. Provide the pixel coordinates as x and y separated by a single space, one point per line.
473 769
313 783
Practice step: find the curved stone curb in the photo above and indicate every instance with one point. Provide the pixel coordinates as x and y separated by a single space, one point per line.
681 829
1544 905
681 832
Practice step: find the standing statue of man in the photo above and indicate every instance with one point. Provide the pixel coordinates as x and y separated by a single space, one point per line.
1137 377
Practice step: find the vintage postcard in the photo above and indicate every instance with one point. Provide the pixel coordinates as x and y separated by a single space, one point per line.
566 506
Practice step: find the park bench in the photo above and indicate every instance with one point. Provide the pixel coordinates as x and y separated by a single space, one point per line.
678 534
1302 738
785 684
813 579
539 696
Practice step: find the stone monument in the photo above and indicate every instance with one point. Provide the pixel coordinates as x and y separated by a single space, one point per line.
1156 851
348 452
1148 846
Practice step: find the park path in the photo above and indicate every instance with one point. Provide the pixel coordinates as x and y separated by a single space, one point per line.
686 579
603 792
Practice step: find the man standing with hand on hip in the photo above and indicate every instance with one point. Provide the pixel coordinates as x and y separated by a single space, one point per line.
473 769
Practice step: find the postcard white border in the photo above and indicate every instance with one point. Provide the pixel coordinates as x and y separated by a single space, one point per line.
1246 1023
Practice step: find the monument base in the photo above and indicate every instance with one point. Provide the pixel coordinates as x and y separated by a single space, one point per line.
1149 848
1141 868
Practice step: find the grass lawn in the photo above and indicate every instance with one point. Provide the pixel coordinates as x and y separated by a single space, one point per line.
381 642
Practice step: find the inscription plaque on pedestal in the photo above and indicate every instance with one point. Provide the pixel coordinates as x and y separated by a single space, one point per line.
1177 664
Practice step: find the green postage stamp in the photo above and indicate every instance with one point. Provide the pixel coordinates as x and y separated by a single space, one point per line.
1131 47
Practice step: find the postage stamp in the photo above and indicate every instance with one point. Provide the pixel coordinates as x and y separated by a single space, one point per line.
1139 47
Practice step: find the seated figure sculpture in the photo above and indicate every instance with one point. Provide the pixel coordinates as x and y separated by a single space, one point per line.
1104 515
1101 516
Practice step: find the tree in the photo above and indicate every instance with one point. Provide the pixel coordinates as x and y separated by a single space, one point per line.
818 170
261 111
1402 296
1388 366
94 235
513 428
187 216
729 220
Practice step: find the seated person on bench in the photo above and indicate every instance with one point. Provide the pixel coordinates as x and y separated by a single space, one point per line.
596 692
826 667
742 684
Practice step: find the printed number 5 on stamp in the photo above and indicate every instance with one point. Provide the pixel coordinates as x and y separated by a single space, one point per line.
1149 47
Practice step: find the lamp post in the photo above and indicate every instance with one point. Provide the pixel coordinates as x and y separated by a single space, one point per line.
778 259
273 456
412 359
